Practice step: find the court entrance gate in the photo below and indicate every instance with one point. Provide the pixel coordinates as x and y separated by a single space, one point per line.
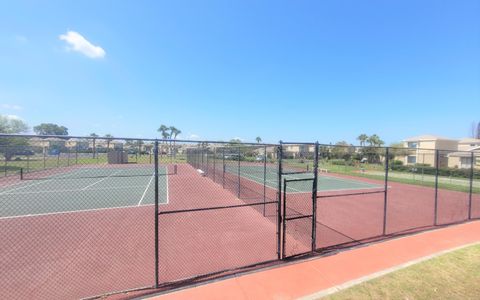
298 209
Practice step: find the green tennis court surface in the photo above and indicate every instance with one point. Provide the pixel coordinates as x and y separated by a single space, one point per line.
326 182
82 189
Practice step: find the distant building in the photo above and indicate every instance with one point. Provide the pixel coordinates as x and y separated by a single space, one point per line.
421 150
462 159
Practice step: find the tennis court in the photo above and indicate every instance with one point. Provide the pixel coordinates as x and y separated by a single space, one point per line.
326 182
82 189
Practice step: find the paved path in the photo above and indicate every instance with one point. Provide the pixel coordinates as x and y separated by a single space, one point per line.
316 277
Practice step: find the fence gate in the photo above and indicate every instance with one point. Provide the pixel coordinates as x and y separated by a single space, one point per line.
298 218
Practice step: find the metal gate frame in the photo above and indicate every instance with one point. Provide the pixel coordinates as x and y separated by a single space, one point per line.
282 200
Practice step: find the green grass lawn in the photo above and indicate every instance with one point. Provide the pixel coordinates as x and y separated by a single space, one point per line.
455 275
39 162
376 171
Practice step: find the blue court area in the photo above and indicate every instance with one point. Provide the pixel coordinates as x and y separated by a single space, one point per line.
326 182
81 189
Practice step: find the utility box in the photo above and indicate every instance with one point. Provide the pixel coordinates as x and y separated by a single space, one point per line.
117 157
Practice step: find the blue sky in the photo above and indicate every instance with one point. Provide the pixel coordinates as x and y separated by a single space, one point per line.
291 70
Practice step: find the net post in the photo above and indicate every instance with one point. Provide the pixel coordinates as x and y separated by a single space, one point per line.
279 199
175 171
21 173
437 154
314 197
472 161
155 150
385 198
238 190
264 177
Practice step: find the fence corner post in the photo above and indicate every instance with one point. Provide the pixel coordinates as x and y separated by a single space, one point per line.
385 199
155 153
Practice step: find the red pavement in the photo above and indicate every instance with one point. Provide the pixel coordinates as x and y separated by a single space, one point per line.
309 277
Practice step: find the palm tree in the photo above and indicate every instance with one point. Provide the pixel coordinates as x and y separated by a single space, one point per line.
175 132
109 138
362 138
258 139
164 131
94 136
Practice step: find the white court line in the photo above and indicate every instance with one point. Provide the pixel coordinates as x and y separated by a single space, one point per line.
76 190
96 182
73 211
302 192
30 185
146 189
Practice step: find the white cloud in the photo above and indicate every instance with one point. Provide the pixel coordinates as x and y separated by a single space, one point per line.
13 117
21 39
76 42
10 106
193 136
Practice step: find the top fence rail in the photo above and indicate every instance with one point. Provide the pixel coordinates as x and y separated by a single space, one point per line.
160 140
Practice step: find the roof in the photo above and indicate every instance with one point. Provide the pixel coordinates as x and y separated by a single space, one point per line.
427 137
469 141
467 153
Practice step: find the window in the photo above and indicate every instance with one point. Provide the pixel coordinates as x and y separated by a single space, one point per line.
412 159
465 162
412 144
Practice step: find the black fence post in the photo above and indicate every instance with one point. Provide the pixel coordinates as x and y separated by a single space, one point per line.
214 164
472 161
284 227
68 157
5 162
155 151
279 199
238 190
314 198
93 149
207 169
264 177
437 154
385 198
223 167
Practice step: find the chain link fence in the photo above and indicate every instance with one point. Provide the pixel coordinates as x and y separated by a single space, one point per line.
84 217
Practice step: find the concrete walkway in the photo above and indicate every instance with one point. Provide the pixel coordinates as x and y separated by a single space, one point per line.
317 277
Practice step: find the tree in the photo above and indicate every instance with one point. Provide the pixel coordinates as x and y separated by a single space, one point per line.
94 136
50 129
343 150
397 150
362 138
475 130
174 132
258 139
109 138
163 129
9 145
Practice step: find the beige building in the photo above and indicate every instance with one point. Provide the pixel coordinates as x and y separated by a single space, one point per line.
298 150
421 150
467 148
